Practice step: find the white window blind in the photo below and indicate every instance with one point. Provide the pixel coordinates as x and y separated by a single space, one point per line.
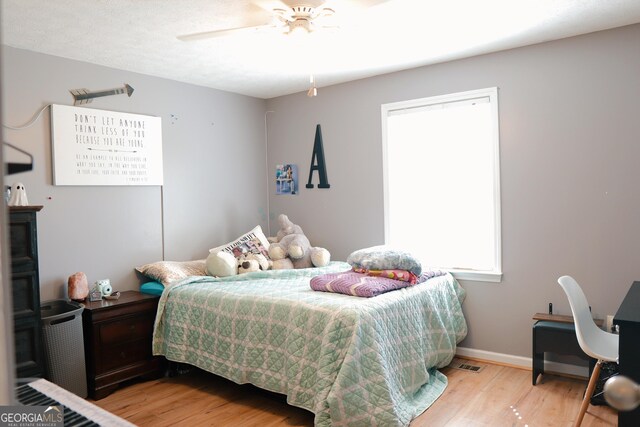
442 186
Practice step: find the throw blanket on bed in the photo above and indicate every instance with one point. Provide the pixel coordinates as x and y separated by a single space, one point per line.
404 275
364 284
351 361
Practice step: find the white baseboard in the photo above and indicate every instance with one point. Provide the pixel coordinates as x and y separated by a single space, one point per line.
522 362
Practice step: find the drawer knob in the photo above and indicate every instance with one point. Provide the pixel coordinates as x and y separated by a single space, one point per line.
123 355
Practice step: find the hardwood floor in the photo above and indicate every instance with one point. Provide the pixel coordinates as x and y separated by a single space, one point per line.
495 396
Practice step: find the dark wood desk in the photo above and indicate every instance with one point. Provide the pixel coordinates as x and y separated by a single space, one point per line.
628 319
556 334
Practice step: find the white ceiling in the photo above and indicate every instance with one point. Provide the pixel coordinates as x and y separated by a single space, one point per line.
140 36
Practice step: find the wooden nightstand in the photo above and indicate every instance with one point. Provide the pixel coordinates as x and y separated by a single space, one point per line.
117 341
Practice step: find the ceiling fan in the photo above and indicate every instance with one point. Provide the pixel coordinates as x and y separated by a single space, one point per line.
305 16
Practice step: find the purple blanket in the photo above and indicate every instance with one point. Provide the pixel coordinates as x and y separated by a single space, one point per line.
361 285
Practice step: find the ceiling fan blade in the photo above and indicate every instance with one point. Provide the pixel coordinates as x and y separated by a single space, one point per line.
367 3
351 6
323 13
221 33
283 15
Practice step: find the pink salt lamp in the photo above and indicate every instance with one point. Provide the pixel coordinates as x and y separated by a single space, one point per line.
78 286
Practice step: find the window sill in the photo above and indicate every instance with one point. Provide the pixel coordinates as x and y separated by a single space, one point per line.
477 276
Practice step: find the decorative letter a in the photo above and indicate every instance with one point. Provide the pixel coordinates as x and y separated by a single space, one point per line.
318 156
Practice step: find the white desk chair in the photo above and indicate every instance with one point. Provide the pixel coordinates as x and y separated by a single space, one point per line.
597 343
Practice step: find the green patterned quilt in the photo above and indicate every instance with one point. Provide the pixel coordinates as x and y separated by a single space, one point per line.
351 361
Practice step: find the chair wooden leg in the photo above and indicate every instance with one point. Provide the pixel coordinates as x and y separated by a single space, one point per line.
595 375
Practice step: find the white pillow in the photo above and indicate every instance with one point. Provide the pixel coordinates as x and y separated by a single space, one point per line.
254 241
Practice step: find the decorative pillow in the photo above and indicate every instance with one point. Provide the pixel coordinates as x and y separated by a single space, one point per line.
152 288
166 272
384 258
254 241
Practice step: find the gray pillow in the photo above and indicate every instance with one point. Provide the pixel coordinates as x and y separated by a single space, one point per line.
384 258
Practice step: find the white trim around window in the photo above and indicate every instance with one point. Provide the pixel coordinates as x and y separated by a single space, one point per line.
491 268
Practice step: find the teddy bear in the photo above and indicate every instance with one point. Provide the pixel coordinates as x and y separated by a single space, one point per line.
223 264
249 262
292 249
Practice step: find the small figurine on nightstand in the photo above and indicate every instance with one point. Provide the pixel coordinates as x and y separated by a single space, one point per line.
95 294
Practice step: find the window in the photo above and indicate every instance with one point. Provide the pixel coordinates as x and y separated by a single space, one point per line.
442 181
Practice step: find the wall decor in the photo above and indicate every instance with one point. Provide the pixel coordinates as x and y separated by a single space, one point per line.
85 96
98 147
18 195
287 179
317 162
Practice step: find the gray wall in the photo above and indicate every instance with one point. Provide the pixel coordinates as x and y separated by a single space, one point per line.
569 149
214 172
569 146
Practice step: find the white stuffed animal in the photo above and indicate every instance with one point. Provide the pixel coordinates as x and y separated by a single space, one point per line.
292 249
252 262
221 264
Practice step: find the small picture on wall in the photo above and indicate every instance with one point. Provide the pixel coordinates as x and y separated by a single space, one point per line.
287 179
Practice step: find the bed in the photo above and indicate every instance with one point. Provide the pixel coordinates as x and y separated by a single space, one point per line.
351 361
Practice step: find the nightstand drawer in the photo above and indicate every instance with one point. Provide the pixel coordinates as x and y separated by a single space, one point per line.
119 356
128 329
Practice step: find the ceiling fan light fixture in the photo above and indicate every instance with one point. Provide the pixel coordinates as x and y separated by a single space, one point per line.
296 21
299 26
313 90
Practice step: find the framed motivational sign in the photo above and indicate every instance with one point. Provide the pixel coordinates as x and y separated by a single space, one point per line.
97 147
